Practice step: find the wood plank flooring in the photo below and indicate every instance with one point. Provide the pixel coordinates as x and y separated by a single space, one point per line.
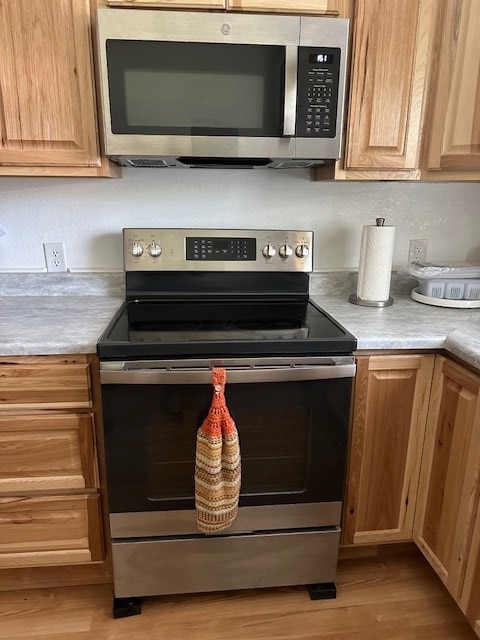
379 598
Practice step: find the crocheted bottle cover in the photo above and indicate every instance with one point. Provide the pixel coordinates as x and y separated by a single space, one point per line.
217 464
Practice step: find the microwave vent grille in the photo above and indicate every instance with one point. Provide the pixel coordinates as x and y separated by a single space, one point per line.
146 162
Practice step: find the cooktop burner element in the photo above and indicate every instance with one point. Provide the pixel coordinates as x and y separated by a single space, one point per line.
178 305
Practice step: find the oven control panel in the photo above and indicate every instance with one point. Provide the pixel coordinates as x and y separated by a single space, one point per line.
217 250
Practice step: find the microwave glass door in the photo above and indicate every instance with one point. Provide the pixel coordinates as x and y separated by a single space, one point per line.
196 89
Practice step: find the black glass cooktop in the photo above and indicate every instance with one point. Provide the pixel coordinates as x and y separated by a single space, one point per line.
153 328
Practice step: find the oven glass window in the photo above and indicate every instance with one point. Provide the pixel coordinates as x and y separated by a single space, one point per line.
292 439
195 89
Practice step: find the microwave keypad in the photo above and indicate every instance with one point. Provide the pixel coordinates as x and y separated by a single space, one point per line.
317 92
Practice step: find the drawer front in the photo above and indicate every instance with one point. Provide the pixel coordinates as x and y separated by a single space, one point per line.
217 563
50 531
47 452
44 386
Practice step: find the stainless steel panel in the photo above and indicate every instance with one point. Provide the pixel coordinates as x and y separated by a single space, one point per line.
260 518
323 32
157 567
173 258
138 24
197 146
145 376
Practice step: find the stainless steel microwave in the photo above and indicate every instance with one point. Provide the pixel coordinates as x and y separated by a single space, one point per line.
185 89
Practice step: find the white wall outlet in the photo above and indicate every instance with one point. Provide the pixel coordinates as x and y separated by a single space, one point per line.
55 256
417 251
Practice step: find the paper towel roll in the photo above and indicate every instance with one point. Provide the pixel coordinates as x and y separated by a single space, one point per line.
376 257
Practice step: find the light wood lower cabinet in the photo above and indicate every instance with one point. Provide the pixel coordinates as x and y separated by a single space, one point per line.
50 530
50 507
446 522
389 419
47 452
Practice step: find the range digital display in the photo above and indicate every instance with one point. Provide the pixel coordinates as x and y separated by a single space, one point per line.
224 249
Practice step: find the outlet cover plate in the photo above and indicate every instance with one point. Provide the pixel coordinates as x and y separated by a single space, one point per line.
55 256
417 251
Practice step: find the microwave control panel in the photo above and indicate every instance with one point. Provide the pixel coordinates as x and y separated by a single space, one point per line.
318 78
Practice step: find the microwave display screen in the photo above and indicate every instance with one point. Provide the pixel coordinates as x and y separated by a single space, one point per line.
195 88
326 58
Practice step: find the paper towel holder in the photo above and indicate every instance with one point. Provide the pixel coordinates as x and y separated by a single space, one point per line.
354 299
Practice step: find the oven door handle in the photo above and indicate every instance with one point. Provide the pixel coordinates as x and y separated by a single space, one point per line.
234 376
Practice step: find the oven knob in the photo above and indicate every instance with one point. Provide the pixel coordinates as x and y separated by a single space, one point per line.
137 249
285 251
154 250
269 251
302 250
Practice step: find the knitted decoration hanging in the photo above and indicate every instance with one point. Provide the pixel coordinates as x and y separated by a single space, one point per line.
217 464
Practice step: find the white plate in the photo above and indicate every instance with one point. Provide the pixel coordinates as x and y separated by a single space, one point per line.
443 302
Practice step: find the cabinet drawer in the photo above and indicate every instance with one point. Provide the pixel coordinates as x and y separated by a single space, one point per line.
53 386
169 4
50 531
47 452
321 7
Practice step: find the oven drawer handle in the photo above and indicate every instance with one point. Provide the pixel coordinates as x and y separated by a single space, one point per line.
145 376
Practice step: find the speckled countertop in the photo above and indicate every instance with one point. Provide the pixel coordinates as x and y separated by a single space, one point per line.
67 313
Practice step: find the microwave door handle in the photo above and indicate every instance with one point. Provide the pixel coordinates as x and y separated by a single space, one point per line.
290 98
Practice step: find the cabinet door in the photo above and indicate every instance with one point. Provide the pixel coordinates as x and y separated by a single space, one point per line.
42 451
449 485
470 597
454 142
390 51
48 114
170 4
339 8
389 419
49 531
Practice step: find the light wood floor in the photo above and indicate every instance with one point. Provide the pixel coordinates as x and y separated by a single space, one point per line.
380 598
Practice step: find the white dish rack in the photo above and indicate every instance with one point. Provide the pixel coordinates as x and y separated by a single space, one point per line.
450 288
446 285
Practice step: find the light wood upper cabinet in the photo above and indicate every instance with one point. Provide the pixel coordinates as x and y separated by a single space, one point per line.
453 139
389 57
389 420
48 121
450 477
170 4
336 8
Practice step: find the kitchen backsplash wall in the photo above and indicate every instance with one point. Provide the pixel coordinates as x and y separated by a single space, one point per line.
88 215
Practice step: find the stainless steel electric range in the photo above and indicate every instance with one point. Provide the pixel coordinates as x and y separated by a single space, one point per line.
198 299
